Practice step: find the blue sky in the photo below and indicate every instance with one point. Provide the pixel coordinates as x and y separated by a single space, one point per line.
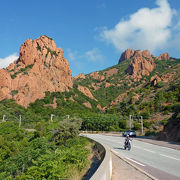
92 33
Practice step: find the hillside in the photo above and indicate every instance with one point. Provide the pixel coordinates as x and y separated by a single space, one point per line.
112 85
139 85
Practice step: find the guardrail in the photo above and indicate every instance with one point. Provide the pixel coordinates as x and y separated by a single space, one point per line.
104 171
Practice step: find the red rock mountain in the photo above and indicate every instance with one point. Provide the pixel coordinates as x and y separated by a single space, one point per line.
142 62
41 67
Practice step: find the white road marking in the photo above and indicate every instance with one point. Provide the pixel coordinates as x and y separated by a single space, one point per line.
135 161
170 157
148 150
144 149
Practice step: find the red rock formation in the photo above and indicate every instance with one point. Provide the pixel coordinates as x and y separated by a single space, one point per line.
142 64
154 80
100 108
81 75
168 77
41 67
95 75
129 53
111 72
86 91
107 85
96 86
87 104
164 56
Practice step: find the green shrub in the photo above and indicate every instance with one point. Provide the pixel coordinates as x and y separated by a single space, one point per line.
150 133
160 84
164 122
14 92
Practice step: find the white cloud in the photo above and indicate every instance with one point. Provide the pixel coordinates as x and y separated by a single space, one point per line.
4 62
94 55
145 29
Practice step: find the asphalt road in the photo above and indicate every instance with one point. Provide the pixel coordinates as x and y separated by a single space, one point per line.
161 162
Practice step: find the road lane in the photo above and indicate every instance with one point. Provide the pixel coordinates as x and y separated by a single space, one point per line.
161 162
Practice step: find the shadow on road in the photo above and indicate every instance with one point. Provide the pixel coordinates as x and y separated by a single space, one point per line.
120 148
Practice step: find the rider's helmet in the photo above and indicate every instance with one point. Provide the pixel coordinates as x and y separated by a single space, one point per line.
127 135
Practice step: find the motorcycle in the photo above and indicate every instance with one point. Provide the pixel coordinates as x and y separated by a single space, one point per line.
127 145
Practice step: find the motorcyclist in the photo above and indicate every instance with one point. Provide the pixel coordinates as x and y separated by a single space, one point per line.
127 139
127 143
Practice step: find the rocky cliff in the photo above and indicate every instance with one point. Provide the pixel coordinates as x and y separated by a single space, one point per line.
41 67
142 62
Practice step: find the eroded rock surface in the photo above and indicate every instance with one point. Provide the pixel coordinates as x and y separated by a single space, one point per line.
41 67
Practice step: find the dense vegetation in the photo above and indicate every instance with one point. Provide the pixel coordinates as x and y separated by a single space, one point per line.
105 95
162 98
52 151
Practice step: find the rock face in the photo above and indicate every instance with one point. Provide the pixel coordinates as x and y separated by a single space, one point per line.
110 72
81 75
142 62
95 75
171 132
86 91
129 53
154 80
87 104
168 77
164 56
41 67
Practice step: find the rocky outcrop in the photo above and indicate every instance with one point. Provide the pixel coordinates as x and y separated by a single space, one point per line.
154 80
107 85
41 67
129 53
100 108
95 75
87 104
164 56
111 72
81 76
167 77
171 131
86 91
142 64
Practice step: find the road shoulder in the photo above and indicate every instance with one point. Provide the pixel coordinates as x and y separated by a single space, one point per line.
122 170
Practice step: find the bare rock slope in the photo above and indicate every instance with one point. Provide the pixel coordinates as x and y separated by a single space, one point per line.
41 67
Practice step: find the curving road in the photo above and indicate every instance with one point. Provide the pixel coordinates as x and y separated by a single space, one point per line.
161 162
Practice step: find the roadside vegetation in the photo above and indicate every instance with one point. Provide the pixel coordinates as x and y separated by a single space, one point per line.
53 151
